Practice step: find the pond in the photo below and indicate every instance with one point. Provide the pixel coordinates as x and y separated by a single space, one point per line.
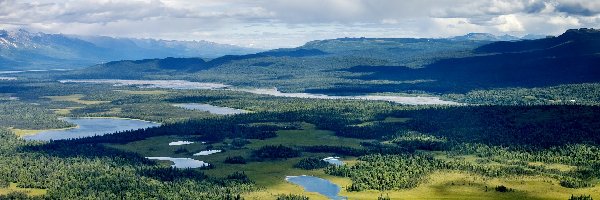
91 126
333 161
179 143
168 84
207 152
182 163
316 184
5 78
217 110
409 100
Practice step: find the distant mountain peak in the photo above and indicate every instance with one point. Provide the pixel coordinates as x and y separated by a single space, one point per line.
581 32
21 49
484 37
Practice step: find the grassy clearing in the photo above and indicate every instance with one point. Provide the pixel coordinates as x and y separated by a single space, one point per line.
144 92
269 175
460 185
27 132
74 98
386 120
29 191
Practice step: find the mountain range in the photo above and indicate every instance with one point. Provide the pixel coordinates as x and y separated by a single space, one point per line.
370 65
26 50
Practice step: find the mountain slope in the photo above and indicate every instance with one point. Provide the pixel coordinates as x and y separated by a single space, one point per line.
24 50
572 57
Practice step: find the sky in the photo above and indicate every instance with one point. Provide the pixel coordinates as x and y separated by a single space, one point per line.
289 23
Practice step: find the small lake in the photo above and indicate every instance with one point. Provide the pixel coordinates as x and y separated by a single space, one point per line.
396 99
333 161
179 143
8 78
211 109
207 152
91 126
182 163
316 184
167 84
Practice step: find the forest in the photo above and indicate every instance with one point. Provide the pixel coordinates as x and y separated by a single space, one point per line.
502 136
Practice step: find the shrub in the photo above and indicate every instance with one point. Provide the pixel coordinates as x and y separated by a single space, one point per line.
311 163
276 152
291 197
235 160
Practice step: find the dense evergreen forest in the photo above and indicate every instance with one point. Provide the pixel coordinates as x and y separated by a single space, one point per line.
533 135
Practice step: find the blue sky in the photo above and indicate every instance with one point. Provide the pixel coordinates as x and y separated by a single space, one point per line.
286 23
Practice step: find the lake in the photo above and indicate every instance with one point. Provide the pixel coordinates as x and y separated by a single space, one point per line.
91 126
396 99
316 184
179 143
207 152
182 84
333 161
182 163
167 84
218 110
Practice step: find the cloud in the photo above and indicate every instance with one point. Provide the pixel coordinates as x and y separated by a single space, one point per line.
278 23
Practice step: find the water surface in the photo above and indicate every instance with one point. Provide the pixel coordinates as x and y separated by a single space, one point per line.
91 126
168 84
179 143
333 161
182 163
316 184
207 152
396 99
218 110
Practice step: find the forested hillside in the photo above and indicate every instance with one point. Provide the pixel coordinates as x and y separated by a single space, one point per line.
363 65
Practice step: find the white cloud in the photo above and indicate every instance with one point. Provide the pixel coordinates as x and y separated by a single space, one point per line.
276 23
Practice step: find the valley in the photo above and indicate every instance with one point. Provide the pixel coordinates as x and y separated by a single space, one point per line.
405 118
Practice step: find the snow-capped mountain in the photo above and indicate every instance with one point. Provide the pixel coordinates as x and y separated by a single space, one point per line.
26 50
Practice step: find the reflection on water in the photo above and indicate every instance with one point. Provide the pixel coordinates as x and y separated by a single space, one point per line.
395 99
182 163
316 184
211 109
91 126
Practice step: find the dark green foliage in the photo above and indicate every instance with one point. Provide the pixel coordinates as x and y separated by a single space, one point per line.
574 183
28 116
235 160
239 143
338 150
581 197
275 152
291 197
94 172
16 196
311 163
381 197
173 174
390 172
181 150
502 188
239 177
540 126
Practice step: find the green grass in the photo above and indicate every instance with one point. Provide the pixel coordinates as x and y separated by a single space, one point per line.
74 98
29 191
270 175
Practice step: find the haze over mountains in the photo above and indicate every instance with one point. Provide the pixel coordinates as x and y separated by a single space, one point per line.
25 50
370 65
21 49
